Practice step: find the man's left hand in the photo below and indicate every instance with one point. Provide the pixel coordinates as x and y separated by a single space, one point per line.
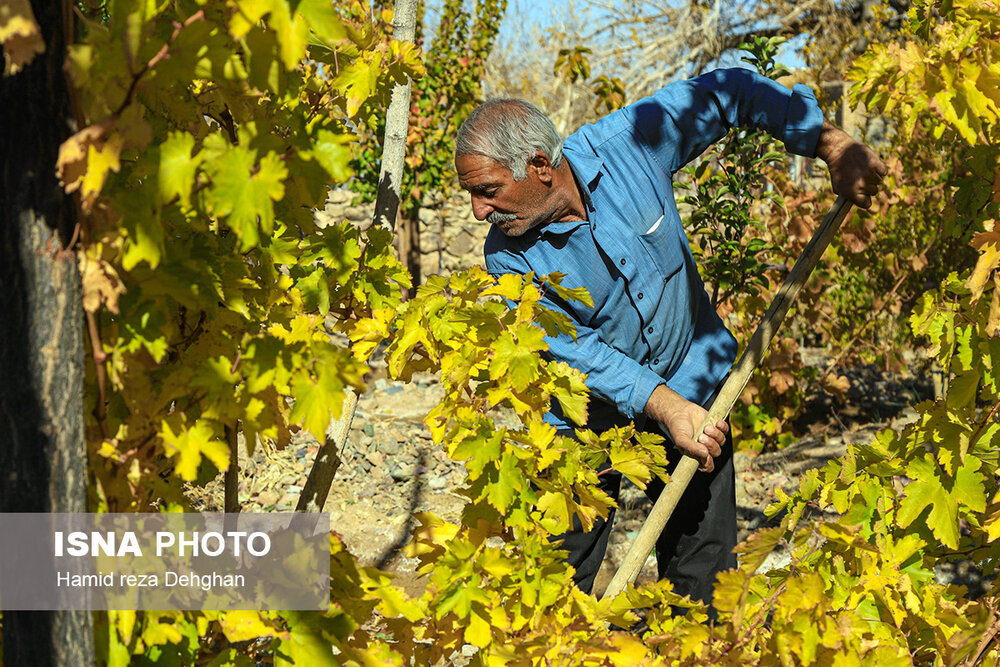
856 173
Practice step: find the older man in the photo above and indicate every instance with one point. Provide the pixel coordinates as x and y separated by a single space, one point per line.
599 207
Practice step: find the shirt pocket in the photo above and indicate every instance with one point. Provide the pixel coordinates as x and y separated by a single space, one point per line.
663 243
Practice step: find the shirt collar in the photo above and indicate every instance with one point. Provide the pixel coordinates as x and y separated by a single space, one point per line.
587 170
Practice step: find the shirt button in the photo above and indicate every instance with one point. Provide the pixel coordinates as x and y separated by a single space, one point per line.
639 295
649 330
622 261
656 361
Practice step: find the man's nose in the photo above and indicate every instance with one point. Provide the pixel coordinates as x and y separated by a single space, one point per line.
480 209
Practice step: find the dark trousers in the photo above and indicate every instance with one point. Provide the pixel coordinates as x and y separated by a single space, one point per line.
697 542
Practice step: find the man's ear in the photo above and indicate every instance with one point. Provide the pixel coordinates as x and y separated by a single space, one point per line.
539 163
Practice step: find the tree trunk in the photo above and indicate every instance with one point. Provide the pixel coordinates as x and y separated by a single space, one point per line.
397 120
42 448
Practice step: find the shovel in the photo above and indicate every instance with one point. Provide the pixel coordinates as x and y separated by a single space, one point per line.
726 397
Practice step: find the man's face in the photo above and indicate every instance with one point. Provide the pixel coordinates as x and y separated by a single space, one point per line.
513 206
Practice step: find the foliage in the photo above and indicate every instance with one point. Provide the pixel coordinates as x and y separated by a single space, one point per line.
573 65
513 598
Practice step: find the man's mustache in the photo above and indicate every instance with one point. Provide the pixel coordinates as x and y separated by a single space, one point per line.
496 217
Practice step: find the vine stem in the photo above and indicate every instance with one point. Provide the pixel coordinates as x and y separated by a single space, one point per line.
99 356
984 643
979 430
160 55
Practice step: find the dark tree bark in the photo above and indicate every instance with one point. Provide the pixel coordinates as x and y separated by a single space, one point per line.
42 448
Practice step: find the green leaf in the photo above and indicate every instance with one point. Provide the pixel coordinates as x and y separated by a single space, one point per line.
144 234
509 480
333 152
316 401
245 197
292 31
928 489
178 168
322 19
969 488
315 292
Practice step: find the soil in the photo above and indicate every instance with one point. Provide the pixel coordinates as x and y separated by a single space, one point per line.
392 469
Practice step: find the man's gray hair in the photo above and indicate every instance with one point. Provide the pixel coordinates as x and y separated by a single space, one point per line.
510 131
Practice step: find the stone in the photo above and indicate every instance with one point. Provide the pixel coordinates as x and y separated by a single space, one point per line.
267 498
437 483
369 430
399 473
288 501
463 244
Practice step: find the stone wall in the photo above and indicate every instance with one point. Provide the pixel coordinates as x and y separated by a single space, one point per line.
450 236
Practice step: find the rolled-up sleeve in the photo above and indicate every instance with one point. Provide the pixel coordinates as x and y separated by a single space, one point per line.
612 376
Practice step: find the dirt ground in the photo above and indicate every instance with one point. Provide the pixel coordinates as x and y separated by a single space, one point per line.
392 469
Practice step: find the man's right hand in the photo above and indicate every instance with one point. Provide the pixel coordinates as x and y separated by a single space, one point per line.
856 172
681 418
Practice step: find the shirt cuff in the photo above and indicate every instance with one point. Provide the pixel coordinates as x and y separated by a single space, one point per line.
803 122
641 391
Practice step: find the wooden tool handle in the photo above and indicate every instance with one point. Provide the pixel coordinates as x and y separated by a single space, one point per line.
726 398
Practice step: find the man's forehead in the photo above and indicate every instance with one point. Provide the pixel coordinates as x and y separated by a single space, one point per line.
479 169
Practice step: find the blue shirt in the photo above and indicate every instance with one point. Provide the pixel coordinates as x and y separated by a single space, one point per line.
652 322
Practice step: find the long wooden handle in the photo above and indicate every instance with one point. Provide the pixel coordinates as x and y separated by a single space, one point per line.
726 398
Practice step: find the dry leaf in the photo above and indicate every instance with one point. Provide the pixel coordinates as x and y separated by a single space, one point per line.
20 35
86 158
836 384
919 262
101 284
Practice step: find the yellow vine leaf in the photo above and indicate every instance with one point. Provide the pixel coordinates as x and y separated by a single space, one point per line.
85 159
243 625
477 632
20 35
357 80
988 245
189 443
